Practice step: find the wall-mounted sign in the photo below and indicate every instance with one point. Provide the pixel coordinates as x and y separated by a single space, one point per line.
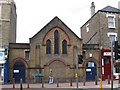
88 70
1 55
16 71
107 53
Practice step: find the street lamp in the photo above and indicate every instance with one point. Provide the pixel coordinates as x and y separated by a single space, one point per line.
111 65
112 40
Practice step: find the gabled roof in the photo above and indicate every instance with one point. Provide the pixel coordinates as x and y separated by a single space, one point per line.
55 22
110 9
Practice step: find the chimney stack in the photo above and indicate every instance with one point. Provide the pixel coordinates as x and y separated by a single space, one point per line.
92 9
119 5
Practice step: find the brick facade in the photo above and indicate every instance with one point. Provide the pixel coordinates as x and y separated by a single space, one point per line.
98 29
62 65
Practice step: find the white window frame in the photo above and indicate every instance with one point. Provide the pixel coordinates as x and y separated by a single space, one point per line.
113 16
87 28
114 34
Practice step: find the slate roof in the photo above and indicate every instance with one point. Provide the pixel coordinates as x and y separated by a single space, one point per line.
110 9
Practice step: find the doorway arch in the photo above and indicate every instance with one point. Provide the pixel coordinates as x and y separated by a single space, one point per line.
19 71
91 65
17 66
58 69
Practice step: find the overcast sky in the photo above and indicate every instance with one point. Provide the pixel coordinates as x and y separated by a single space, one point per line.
32 15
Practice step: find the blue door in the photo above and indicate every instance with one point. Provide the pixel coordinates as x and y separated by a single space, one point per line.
19 72
91 71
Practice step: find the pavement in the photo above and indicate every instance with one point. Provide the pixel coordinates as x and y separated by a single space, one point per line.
81 86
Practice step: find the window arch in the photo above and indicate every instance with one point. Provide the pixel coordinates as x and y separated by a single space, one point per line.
64 47
48 47
56 42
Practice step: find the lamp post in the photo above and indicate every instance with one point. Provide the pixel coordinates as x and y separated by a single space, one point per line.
112 40
76 64
111 65
76 75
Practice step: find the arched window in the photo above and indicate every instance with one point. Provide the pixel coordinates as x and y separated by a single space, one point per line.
56 42
48 47
64 47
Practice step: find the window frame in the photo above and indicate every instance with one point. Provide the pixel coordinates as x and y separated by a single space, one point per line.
112 34
109 21
27 57
56 42
87 28
48 46
64 47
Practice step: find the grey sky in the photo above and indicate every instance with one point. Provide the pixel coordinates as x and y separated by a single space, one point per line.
32 15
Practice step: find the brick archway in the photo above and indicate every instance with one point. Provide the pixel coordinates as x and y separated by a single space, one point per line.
53 29
13 62
58 69
91 59
54 60
16 59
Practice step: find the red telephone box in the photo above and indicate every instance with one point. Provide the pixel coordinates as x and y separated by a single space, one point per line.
106 63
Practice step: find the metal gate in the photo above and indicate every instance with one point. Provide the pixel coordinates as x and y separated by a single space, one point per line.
19 71
91 71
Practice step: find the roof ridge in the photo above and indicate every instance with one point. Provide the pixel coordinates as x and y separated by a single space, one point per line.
110 9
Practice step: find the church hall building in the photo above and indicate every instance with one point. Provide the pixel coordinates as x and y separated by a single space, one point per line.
53 50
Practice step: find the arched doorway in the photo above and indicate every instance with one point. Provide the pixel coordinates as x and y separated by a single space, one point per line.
58 69
91 67
19 71
91 71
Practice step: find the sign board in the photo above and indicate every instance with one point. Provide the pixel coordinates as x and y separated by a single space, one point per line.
107 53
16 71
88 70
38 74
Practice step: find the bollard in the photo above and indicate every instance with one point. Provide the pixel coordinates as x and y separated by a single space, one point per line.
96 80
21 88
84 81
108 79
57 82
71 82
28 84
42 83
119 79
100 85
13 82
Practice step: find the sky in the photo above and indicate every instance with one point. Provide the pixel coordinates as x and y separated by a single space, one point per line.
33 15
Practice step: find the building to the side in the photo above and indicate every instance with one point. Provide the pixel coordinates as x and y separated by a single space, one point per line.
8 19
103 29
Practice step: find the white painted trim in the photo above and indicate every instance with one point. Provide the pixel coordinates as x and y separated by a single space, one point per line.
87 28
112 15
102 62
112 33
102 70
